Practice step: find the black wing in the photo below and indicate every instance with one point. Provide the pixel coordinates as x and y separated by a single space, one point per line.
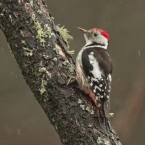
97 66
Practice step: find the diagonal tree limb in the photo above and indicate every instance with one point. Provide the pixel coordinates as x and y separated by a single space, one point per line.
41 54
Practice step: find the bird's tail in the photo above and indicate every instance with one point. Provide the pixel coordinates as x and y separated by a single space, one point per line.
103 115
104 109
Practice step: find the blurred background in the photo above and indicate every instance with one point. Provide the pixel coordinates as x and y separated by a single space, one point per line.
22 120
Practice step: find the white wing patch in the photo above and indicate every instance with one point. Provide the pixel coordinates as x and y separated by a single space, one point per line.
109 77
96 72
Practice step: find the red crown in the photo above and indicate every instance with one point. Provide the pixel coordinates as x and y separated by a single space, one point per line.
105 34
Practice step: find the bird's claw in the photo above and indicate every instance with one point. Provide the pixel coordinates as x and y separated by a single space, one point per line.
71 79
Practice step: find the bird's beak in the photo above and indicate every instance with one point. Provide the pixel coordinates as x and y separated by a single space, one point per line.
83 30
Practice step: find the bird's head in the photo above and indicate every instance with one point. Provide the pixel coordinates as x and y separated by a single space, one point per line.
96 35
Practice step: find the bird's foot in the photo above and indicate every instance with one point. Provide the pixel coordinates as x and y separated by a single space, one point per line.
71 80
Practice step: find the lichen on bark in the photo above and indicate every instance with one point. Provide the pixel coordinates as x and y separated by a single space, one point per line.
41 54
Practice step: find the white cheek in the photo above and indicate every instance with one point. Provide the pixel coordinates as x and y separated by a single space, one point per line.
102 40
88 41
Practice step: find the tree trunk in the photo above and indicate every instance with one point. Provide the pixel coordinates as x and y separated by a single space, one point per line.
48 69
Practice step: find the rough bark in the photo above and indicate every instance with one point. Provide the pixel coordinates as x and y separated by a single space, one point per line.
41 54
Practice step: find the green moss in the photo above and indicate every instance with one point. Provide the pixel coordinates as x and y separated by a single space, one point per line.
103 141
42 33
80 101
42 88
70 52
10 18
83 107
28 52
31 3
43 69
99 141
56 50
65 34
23 42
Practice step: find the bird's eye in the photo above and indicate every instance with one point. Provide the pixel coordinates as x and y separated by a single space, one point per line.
95 34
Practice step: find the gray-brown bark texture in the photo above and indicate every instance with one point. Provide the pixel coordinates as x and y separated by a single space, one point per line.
41 54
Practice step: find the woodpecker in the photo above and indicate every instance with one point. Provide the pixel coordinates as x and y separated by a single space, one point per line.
94 69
